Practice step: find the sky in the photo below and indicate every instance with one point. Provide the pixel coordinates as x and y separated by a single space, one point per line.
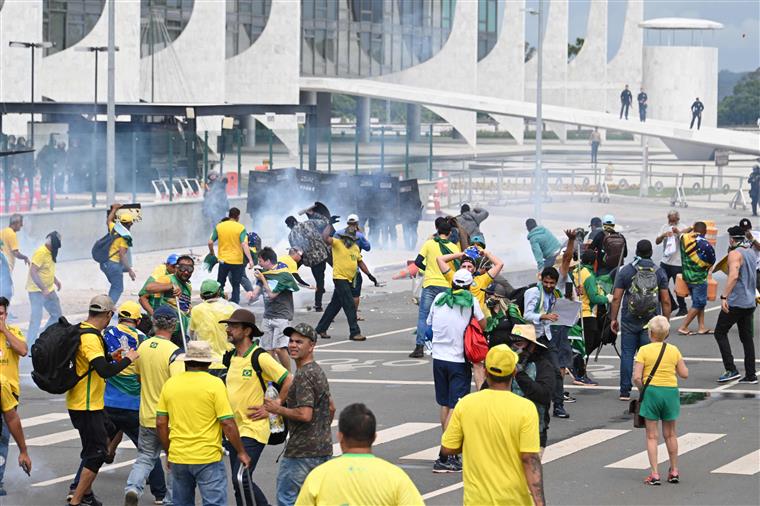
738 43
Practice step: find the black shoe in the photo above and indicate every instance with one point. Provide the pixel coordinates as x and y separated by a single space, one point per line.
318 309
682 312
567 397
90 500
752 380
419 352
559 412
322 335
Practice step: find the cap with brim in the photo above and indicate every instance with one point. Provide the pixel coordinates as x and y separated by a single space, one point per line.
244 317
527 332
101 304
198 351
130 310
303 329
462 277
165 311
172 259
352 218
501 361
210 287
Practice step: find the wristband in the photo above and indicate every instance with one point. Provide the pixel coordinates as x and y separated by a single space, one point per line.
723 297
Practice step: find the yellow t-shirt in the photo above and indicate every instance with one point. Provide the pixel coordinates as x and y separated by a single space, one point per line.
10 243
665 375
116 245
205 325
288 260
8 400
430 251
87 395
229 234
43 259
345 260
9 360
493 427
357 479
155 366
477 288
245 391
195 402
159 272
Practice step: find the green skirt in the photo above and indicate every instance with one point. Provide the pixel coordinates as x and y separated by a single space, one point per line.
661 403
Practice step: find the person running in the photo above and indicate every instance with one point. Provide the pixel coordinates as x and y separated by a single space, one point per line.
670 238
244 362
450 314
12 348
659 395
150 301
196 408
641 290
737 303
309 410
85 401
119 257
41 285
9 240
545 246
233 249
434 283
502 462
205 324
158 362
697 258
357 476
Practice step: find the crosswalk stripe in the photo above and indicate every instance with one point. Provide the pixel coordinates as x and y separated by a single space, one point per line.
580 442
747 465
33 421
394 433
55 437
686 443
70 477
444 490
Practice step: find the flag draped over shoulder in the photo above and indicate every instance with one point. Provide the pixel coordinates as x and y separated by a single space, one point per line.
280 279
697 256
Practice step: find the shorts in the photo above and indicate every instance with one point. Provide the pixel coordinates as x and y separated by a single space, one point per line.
273 337
452 381
94 436
661 403
698 295
356 286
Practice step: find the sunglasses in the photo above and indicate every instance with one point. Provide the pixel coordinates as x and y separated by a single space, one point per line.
185 268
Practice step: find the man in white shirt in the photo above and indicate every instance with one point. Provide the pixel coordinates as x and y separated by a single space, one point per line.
670 236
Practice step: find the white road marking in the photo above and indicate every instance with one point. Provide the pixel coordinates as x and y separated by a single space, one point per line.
747 465
444 490
686 443
393 433
686 359
382 334
580 442
708 310
399 352
33 421
55 437
70 477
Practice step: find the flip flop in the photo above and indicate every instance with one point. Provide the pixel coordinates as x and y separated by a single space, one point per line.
685 333
707 332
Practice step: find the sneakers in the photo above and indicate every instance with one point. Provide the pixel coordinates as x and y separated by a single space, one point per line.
559 412
673 477
318 309
625 397
567 397
450 465
652 479
357 337
418 352
88 500
323 335
584 381
728 376
132 498
751 380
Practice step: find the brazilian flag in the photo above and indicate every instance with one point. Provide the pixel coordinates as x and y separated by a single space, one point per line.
280 279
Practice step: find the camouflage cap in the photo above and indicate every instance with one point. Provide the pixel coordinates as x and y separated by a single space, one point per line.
303 329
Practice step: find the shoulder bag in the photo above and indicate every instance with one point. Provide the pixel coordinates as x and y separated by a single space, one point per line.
635 405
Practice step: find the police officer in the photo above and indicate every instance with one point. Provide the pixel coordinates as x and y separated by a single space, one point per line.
642 99
696 113
625 101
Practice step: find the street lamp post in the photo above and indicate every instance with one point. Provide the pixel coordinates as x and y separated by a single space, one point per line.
538 185
32 46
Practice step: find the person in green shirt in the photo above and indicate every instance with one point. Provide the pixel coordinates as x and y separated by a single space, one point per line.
175 290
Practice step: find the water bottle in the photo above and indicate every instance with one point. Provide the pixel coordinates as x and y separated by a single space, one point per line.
276 423
124 342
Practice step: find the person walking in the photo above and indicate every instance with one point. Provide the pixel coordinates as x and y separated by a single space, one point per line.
231 236
697 258
204 324
641 289
661 364
610 246
358 476
754 187
11 423
737 304
158 362
191 415
544 244
502 462
41 285
119 257
753 238
696 113
596 141
309 410
670 238
9 240
625 101
642 98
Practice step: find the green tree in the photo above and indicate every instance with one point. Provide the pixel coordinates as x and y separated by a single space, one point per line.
743 106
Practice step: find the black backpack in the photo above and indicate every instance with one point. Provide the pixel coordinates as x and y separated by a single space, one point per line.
102 247
276 438
642 294
613 246
54 357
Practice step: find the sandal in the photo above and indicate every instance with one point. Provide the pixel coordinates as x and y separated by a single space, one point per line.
706 332
673 477
652 479
685 332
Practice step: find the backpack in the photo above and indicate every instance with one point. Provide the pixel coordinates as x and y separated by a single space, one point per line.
54 357
642 294
475 343
613 246
102 247
277 438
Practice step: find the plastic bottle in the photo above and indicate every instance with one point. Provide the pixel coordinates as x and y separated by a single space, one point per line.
276 423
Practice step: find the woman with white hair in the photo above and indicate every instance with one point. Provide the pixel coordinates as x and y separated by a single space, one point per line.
661 364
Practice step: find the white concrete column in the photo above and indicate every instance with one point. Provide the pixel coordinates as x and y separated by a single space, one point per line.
362 118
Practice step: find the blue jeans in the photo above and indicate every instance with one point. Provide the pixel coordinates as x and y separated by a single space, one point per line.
235 272
148 452
211 479
427 295
51 304
253 448
633 336
291 476
114 271
5 436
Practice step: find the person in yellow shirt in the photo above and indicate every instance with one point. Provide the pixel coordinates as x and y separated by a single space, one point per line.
9 240
204 324
293 261
434 282
195 404
119 257
501 460
85 401
12 424
357 476
41 285
233 250
250 368
659 398
151 300
484 268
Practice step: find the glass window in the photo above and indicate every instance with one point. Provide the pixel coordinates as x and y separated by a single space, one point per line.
490 13
246 20
161 22
66 23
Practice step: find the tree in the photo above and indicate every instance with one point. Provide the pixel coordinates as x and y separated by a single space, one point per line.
574 49
743 106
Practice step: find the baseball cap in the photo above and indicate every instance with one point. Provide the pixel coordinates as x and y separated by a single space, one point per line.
501 361
244 317
745 224
478 239
172 259
165 311
608 219
210 286
303 329
127 218
352 218
462 277
130 309
101 304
